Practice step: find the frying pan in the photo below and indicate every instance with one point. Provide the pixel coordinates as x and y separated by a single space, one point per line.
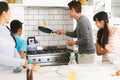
44 29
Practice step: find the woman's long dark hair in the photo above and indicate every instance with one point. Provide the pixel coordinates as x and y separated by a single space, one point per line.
3 7
103 33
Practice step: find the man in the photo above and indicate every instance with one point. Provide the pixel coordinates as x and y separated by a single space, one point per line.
9 57
83 33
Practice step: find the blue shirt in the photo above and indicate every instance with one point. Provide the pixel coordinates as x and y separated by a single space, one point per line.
21 44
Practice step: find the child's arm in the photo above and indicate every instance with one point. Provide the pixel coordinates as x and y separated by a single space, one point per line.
100 51
22 54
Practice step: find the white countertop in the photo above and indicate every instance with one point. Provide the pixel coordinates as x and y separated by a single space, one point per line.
84 72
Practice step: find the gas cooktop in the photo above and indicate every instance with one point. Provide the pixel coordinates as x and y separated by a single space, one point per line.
50 50
50 56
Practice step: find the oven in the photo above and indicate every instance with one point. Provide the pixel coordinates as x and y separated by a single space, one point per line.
51 56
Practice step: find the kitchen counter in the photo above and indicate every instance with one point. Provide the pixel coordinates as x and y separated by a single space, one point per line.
84 72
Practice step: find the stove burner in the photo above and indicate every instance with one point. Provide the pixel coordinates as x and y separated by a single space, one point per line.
50 51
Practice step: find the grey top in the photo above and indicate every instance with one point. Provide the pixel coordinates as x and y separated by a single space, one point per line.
83 33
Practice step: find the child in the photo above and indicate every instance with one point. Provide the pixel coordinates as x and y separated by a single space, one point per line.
108 37
16 28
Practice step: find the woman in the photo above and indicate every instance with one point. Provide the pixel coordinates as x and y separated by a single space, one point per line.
108 37
9 57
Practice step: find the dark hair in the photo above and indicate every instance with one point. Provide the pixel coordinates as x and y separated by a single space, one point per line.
15 25
76 5
3 7
103 33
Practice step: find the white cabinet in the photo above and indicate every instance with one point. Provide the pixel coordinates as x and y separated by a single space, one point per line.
115 8
17 12
49 3
102 5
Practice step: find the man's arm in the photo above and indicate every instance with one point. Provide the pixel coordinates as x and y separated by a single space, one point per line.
83 35
71 34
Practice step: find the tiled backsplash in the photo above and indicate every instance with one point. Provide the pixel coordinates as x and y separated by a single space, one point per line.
56 18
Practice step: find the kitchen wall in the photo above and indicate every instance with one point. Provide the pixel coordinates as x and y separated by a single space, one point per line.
56 18
115 7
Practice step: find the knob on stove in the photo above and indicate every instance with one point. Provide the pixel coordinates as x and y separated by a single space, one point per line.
48 59
34 61
39 60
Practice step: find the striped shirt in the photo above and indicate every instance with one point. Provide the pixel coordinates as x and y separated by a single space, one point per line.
113 45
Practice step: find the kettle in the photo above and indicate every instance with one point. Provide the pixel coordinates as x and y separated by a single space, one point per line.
31 44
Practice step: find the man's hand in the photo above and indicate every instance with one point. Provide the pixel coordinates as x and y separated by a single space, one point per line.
71 42
60 32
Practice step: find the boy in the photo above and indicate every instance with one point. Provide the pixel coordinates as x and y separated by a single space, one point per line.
16 28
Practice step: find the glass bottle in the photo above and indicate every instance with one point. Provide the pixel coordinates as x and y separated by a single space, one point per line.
72 75
72 59
29 71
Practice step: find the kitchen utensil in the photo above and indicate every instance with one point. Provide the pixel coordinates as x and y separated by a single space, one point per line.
31 44
114 58
44 29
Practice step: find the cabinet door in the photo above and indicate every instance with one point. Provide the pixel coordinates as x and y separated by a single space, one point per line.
55 3
115 8
17 12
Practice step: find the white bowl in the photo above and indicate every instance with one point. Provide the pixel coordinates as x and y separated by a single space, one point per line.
114 58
